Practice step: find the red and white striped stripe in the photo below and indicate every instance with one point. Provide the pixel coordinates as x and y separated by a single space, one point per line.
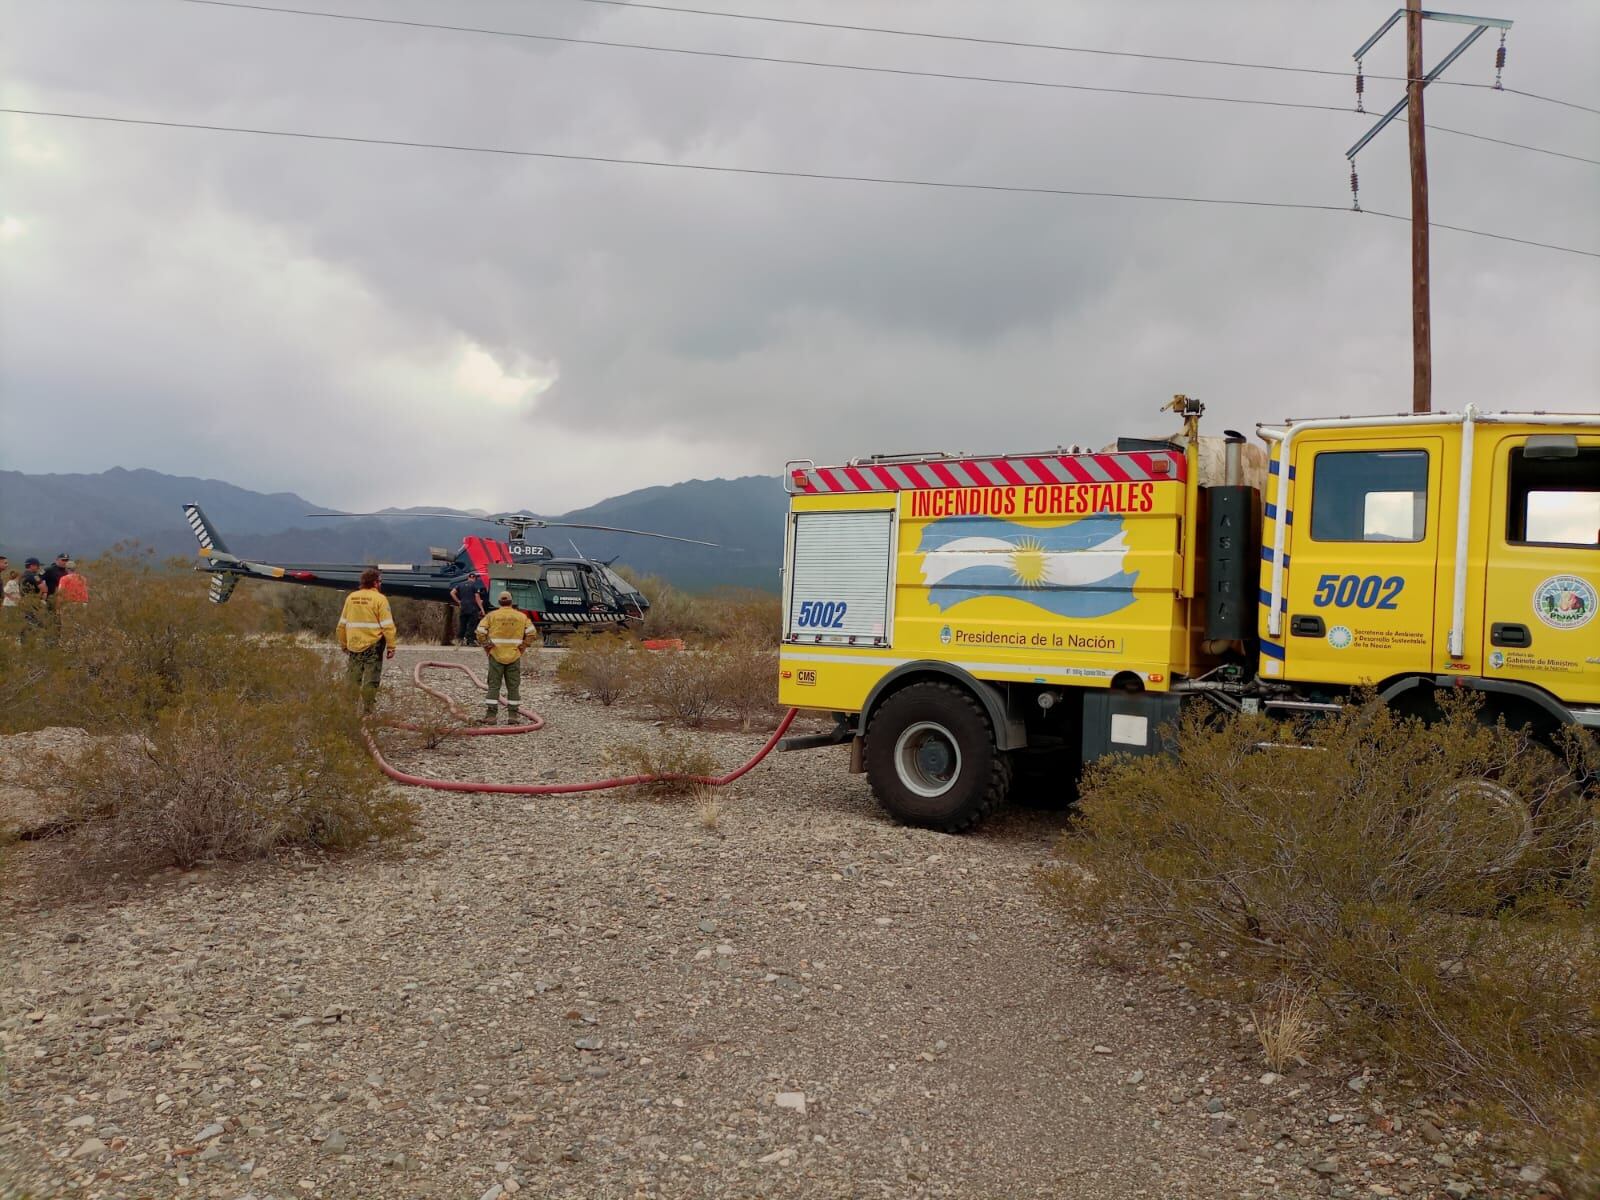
1159 466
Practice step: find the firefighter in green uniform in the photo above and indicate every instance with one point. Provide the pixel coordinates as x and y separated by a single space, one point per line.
367 635
504 634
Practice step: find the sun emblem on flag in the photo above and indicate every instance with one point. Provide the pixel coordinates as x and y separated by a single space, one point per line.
1028 563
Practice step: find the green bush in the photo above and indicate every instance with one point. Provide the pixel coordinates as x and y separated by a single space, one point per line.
1385 868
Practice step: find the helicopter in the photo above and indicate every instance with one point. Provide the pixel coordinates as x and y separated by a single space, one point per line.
560 594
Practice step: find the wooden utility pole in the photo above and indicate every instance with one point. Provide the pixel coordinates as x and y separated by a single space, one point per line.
1421 322
1414 15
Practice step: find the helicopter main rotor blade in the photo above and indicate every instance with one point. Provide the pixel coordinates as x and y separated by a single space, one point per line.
406 516
635 532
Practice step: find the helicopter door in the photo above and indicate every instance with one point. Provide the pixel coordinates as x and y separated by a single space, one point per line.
565 590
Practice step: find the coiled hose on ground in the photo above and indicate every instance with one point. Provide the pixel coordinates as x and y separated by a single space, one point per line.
531 722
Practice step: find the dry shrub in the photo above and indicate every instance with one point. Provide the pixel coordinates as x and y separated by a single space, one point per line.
679 758
727 614
418 720
1382 868
604 666
222 775
213 741
747 679
684 685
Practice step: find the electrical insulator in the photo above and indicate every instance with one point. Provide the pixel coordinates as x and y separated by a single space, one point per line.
1355 189
1361 87
1500 58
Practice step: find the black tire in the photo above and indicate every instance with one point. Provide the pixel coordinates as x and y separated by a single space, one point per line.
931 758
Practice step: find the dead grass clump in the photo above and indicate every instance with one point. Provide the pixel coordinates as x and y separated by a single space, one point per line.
1390 870
707 808
685 765
604 666
1286 1026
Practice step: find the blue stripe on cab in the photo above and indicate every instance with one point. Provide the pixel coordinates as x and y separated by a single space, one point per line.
1272 514
1272 651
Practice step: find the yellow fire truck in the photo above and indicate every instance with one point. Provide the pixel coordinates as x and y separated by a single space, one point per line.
966 617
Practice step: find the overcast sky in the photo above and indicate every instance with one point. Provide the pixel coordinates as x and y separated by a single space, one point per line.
369 325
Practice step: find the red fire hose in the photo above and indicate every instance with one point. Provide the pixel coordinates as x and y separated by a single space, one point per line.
532 721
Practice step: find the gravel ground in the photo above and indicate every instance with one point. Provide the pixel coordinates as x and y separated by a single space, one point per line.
598 996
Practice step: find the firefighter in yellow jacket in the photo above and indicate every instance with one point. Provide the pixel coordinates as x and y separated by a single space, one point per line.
504 634
367 636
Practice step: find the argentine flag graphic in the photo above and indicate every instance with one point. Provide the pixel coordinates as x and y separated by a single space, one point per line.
1072 570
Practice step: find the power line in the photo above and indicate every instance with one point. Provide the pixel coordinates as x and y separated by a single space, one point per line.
837 66
712 168
1536 96
1481 137
762 58
1026 45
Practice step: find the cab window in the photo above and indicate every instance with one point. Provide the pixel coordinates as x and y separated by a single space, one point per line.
1370 496
1554 501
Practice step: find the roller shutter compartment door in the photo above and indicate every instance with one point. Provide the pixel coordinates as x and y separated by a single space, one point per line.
839 589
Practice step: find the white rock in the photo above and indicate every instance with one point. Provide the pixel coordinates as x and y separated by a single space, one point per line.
1270 1078
791 1100
1102 1050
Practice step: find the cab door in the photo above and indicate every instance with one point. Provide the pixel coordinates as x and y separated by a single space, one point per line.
1541 619
1359 598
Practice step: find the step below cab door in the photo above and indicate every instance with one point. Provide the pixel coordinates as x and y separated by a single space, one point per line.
1364 537
1541 618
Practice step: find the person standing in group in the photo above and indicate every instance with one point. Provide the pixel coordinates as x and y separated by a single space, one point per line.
367 635
472 597
72 588
52 577
32 592
10 594
505 635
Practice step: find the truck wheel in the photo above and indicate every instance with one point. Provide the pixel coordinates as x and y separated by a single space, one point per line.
931 758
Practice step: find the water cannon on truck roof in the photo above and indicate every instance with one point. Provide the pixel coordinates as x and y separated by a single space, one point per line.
963 617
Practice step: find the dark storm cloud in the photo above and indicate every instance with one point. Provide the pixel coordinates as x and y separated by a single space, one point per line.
335 318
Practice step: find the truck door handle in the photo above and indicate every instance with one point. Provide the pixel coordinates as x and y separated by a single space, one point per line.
1504 633
1304 626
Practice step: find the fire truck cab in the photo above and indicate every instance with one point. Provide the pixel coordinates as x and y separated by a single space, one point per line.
966 619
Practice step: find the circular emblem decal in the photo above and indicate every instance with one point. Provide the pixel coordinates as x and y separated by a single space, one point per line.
1565 602
944 635
1497 660
1340 637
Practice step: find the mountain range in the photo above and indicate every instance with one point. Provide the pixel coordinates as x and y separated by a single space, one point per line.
85 515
